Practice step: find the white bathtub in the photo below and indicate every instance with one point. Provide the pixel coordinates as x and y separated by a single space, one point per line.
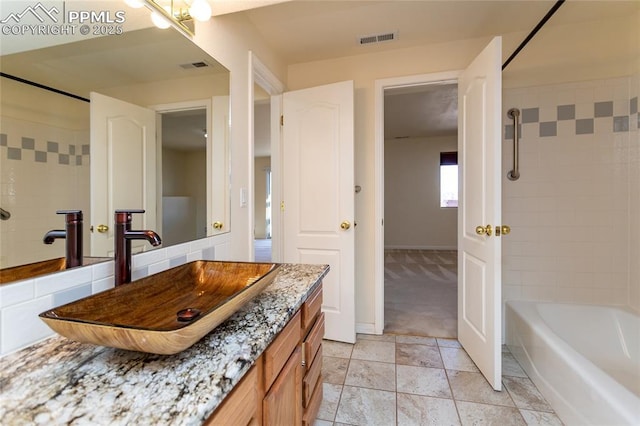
584 359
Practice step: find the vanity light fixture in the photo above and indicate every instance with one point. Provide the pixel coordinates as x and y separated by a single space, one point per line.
175 13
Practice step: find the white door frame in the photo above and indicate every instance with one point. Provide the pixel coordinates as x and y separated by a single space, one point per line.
380 86
261 75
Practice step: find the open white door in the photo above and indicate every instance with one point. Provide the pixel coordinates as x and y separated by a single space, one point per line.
123 168
218 207
479 252
318 194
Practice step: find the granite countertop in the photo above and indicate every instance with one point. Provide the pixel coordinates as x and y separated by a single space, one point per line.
58 381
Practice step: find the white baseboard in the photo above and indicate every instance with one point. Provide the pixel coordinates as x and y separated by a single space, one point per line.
365 328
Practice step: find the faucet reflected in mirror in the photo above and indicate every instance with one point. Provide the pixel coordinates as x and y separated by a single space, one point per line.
72 234
122 245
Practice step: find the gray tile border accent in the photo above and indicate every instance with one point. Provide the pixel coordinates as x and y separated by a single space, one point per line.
548 128
621 124
72 150
584 126
566 112
41 157
14 153
633 105
52 146
28 143
508 131
78 160
530 115
603 109
85 149
3 139
63 158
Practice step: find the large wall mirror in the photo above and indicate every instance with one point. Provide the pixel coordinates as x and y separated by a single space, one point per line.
59 152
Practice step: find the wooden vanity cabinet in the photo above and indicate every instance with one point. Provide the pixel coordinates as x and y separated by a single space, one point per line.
284 387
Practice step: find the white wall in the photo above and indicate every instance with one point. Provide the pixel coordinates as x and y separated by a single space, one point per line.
229 38
412 214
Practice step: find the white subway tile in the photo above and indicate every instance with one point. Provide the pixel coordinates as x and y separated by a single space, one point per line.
18 292
149 257
98 286
103 270
62 280
159 267
21 325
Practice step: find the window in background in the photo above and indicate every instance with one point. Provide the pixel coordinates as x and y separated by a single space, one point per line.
448 179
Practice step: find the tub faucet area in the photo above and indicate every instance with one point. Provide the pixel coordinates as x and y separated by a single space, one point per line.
122 245
72 234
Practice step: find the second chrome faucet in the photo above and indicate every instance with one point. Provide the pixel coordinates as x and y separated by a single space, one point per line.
122 244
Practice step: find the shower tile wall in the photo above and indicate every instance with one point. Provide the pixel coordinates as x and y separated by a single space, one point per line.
575 210
42 169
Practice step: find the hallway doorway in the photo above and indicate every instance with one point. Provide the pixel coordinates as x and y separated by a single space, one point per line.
420 210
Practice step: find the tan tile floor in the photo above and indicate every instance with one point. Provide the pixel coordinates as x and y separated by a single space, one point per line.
407 380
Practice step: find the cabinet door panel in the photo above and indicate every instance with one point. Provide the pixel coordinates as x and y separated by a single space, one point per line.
242 406
283 403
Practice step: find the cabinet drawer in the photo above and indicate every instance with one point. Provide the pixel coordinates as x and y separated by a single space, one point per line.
313 341
311 412
311 379
311 308
279 351
241 406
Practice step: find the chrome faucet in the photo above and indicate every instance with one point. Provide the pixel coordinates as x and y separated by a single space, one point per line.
72 234
122 245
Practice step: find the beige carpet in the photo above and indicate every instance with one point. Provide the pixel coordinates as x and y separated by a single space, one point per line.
420 292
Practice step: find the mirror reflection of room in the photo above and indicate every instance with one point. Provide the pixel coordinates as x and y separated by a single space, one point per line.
49 139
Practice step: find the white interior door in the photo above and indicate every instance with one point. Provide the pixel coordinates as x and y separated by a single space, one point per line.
218 207
123 168
479 256
318 194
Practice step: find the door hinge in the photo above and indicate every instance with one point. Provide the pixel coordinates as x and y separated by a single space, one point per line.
281 206
282 120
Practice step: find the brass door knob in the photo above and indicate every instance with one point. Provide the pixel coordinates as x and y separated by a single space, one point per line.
506 229
345 225
102 228
217 225
484 230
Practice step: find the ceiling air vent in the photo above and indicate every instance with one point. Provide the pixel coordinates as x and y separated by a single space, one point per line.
200 64
378 38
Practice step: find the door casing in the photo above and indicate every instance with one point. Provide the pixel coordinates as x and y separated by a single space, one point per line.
380 86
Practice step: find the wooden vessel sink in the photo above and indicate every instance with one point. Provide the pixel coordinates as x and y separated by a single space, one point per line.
164 313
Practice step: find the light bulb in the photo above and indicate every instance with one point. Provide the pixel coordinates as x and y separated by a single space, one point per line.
136 4
159 20
200 10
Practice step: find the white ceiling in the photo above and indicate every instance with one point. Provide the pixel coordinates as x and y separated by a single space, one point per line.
310 30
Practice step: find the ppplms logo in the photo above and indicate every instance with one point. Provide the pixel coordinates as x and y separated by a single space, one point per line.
56 19
36 11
